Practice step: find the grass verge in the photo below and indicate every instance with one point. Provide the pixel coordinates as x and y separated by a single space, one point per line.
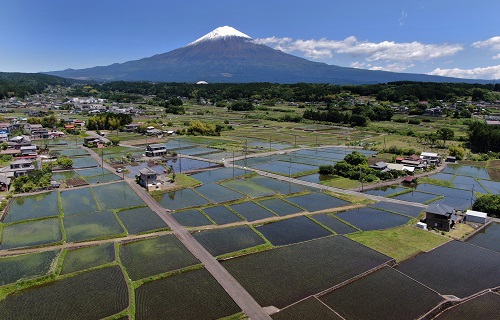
399 243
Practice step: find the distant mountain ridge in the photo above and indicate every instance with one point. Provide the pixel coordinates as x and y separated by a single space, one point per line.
228 55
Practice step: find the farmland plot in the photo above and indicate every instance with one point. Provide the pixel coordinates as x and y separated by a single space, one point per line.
146 258
416 196
251 211
180 199
485 306
32 233
190 295
280 207
384 294
311 267
488 238
92 295
92 226
78 201
278 186
211 176
26 266
310 308
116 195
191 218
372 219
411 211
88 257
32 207
222 241
221 215
333 223
248 188
141 220
292 230
217 193
453 261
317 201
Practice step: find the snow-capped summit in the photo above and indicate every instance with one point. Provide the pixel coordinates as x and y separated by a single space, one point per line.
221 33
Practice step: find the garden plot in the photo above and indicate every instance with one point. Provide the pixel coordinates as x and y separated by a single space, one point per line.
116 195
333 223
417 196
292 230
92 226
189 295
211 176
92 295
488 237
248 188
32 207
317 201
31 234
251 211
407 210
181 199
221 215
217 193
26 266
485 306
78 201
386 191
191 218
384 294
84 162
468 183
280 207
456 198
310 308
463 170
227 240
146 258
458 269
311 267
278 186
141 220
372 219
88 257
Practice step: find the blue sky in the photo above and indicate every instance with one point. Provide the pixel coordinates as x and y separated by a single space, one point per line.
459 38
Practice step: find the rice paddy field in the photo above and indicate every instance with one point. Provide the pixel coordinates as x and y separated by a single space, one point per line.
24 266
477 269
279 240
292 230
311 267
488 237
383 294
146 258
372 219
485 306
223 241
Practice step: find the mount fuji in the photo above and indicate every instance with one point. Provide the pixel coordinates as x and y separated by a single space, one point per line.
228 55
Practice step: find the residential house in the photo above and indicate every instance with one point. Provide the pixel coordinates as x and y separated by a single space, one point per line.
381 165
147 176
431 158
440 216
28 151
156 150
21 167
133 127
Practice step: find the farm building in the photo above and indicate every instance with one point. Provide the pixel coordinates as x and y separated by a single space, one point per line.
476 216
146 176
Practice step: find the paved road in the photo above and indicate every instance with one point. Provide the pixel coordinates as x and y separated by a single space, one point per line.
242 298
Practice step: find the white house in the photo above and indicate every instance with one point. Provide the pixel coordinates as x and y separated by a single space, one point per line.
476 216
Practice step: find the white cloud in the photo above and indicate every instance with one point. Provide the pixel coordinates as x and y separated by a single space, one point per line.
402 19
496 56
388 52
393 67
492 43
491 72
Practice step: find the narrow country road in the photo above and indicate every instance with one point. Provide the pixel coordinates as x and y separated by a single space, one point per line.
242 298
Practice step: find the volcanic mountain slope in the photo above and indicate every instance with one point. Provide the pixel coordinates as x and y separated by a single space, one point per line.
228 55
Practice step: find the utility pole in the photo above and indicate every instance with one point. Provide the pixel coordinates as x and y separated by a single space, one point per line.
245 153
360 179
472 196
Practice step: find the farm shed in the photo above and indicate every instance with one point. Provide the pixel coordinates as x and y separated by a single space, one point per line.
476 216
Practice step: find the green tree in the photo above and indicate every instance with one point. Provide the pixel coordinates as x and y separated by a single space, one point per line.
489 203
445 134
114 140
457 152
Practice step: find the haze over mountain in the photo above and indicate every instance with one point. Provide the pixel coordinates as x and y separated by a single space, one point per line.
228 55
